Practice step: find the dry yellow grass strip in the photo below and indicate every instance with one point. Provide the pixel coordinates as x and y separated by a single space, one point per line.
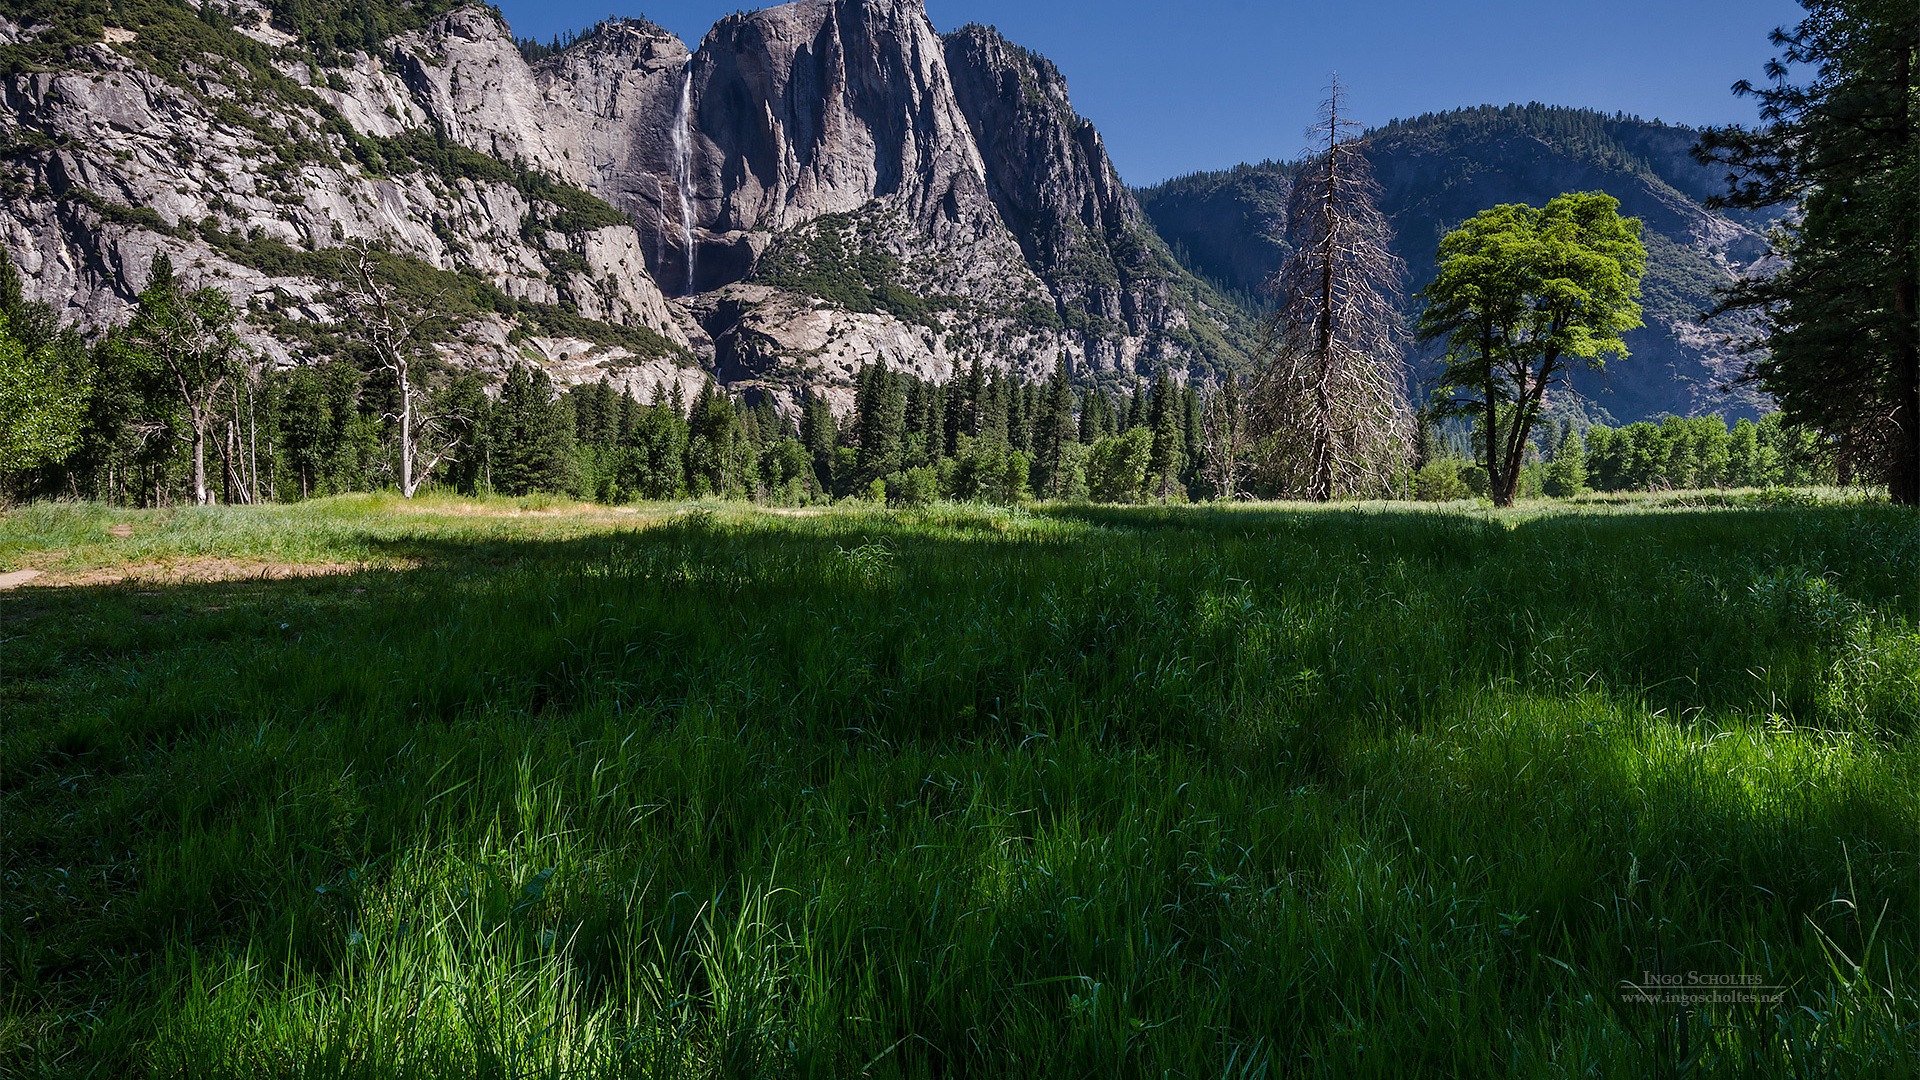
199 571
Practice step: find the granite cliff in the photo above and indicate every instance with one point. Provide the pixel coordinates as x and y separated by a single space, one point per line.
816 186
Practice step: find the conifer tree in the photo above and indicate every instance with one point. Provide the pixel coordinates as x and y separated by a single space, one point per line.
630 410
993 413
468 410
966 415
532 435
1097 416
1164 463
1136 406
1224 436
820 435
936 422
883 425
919 413
1194 445
1054 432
1841 314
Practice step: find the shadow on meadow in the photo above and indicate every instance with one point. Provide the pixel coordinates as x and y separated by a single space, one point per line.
1110 791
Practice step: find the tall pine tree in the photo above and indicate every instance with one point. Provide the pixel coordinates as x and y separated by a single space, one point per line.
532 437
1842 314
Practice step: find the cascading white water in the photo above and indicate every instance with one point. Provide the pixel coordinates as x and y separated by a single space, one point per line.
683 166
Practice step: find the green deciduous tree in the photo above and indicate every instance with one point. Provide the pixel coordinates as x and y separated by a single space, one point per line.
1521 295
188 338
44 375
1117 466
655 463
1567 473
988 470
720 459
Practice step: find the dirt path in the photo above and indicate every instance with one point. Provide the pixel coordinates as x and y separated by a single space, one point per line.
181 572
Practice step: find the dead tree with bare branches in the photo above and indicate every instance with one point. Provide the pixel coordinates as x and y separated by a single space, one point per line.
1329 403
395 329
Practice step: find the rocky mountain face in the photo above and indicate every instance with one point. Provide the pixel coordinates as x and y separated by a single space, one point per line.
818 186
216 141
1437 171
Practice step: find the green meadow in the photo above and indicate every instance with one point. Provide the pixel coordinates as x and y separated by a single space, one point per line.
525 790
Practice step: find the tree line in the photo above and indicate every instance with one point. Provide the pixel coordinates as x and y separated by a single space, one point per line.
1672 454
169 408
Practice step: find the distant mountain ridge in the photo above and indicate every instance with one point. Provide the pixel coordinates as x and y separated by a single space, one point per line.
1437 170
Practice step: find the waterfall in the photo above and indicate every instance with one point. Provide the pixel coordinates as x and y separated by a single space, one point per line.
683 166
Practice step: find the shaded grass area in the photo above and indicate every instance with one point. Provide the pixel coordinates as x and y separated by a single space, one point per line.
963 792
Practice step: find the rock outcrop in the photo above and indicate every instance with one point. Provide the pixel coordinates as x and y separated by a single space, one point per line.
248 168
819 185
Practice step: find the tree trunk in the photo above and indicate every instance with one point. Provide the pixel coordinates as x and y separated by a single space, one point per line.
253 447
1494 487
1322 490
406 432
228 489
201 496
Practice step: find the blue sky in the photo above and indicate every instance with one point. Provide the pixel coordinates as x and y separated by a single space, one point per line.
1177 87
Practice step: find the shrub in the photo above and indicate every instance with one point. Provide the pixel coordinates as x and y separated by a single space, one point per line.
1117 466
988 470
1440 480
913 487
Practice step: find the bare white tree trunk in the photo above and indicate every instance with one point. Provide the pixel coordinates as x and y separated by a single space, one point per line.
202 496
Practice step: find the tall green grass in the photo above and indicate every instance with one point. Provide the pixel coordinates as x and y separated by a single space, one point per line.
959 792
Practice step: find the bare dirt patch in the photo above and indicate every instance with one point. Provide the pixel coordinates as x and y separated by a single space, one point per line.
479 510
196 572
17 579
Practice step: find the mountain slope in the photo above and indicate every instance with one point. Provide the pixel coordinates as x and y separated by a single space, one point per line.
1436 171
819 185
